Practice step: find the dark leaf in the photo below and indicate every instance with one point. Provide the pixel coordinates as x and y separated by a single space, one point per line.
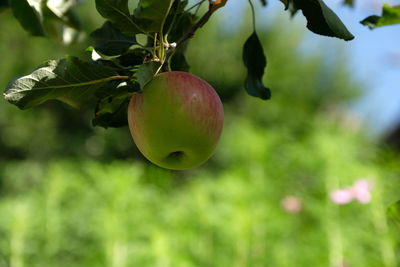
146 72
371 21
133 58
28 17
255 62
178 61
393 214
322 20
69 80
182 24
286 3
63 12
114 119
390 16
292 8
263 2
4 4
112 106
176 17
110 41
117 11
152 14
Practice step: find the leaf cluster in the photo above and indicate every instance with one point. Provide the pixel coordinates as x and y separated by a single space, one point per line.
126 52
134 45
45 18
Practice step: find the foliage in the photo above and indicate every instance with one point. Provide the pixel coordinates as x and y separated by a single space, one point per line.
76 212
115 47
390 16
42 18
69 80
294 81
255 62
321 19
121 61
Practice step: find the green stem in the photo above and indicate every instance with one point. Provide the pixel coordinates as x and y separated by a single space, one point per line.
161 49
155 52
253 13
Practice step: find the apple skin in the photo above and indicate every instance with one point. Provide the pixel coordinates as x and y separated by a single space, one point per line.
177 121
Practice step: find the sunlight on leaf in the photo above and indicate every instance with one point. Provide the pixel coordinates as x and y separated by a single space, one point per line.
28 17
69 80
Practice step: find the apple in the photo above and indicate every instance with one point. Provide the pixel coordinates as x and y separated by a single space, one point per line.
176 121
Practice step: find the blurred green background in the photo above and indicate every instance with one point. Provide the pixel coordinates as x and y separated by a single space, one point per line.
74 195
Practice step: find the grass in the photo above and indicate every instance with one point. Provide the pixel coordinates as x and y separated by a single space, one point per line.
76 212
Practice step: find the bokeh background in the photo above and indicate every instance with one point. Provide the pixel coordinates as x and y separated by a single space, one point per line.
301 180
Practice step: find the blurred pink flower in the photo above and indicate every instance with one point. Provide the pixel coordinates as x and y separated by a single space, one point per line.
341 196
360 191
292 204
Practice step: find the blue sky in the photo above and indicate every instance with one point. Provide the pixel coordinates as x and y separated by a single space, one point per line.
374 57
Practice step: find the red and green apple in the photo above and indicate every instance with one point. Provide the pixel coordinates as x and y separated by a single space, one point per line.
176 121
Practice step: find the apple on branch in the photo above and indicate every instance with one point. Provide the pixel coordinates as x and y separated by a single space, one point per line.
177 121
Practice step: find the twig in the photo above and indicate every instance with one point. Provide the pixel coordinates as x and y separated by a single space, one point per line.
203 20
195 27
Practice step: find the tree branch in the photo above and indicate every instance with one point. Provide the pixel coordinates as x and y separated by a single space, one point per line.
193 30
214 6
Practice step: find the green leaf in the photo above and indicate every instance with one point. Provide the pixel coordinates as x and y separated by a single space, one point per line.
133 58
255 62
393 214
110 41
146 72
28 17
183 23
111 108
178 61
178 20
69 80
390 16
285 3
152 14
117 11
61 11
115 119
322 20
